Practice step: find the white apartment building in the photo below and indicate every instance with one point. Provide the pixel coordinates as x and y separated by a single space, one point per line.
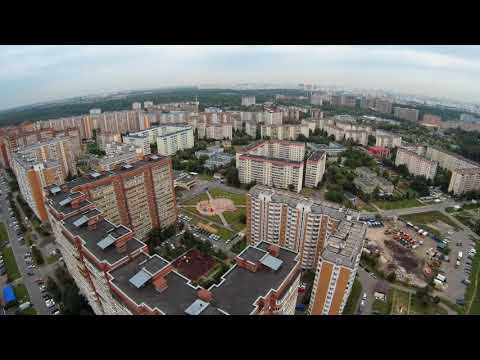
215 131
139 141
387 140
464 180
248 100
136 106
274 163
292 221
171 138
284 132
416 164
315 168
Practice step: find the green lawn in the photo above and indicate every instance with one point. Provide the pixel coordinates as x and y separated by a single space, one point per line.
10 264
222 232
416 308
399 204
352 301
400 302
196 199
430 217
381 307
30 311
3 235
368 207
238 199
21 293
205 177
194 211
52 259
233 218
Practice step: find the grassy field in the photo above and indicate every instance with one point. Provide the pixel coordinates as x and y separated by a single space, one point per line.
367 207
194 211
10 264
381 307
222 232
233 218
399 204
29 311
3 235
196 199
21 293
430 217
238 199
205 177
472 294
400 302
416 308
352 301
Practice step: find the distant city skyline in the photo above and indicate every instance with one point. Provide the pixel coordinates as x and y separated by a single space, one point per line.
34 74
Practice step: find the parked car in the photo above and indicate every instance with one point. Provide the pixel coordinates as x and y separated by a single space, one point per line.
460 302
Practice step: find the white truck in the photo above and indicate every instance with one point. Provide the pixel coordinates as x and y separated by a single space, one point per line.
460 255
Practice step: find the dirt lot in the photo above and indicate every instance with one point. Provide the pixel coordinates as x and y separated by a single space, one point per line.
393 252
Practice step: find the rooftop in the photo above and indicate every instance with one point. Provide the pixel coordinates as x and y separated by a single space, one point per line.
237 293
95 238
317 155
343 246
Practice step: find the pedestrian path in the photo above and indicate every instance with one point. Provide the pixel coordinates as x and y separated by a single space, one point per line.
220 215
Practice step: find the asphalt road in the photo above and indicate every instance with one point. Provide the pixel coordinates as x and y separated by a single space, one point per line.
368 286
19 251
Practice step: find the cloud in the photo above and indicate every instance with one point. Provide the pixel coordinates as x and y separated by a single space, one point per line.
37 73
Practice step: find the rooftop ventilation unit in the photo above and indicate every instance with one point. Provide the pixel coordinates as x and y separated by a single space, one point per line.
197 307
65 201
55 190
80 221
106 242
271 262
140 279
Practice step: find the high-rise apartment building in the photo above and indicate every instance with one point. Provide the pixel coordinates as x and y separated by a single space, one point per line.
172 138
336 269
464 180
387 140
406 113
118 276
416 164
32 176
315 168
274 163
327 238
284 132
248 100
383 106
139 195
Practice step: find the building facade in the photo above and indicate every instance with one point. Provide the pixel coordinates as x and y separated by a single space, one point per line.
315 168
416 164
406 113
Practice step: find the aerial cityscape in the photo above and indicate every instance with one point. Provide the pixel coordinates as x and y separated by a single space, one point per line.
214 180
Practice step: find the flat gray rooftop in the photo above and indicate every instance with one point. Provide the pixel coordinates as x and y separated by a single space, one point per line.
241 287
174 300
103 229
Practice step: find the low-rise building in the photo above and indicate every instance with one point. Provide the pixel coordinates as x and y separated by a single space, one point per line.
183 180
367 181
218 160
406 113
386 139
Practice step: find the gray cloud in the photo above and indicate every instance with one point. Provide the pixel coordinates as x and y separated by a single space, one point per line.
38 73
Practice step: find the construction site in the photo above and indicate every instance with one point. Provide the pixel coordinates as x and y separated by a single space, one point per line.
405 250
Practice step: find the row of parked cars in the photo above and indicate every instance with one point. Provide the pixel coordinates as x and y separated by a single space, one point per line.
49 302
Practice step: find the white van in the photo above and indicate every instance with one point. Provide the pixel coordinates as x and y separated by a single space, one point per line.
441 277
460 255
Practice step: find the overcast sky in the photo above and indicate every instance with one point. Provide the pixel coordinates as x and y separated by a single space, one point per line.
30 74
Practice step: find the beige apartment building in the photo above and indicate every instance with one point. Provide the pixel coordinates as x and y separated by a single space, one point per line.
416 164
274 163
284 132
325 237
386 139
406 113
464 180
336 269
315 168
32 176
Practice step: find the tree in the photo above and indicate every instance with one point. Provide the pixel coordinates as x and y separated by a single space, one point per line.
231 175
154 148
302 138
403 170
371 140
243 219
71 300
334 196
291 187
54 290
